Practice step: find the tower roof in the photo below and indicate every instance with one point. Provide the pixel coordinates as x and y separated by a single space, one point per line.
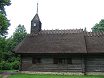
36 17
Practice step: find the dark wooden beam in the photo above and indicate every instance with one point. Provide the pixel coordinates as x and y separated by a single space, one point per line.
20 66
83 57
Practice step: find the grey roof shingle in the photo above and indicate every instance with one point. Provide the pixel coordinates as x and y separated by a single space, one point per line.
62 41
95 42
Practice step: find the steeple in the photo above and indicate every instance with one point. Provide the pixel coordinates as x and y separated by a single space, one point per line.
36 23
37 8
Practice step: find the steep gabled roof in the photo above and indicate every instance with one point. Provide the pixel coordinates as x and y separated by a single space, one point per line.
62 41
94 42
53 41
36 17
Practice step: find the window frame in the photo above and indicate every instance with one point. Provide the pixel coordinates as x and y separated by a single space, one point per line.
62 61
36 60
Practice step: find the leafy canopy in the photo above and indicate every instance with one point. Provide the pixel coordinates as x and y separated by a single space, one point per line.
19 34
4 24
98 26
4 3
8 59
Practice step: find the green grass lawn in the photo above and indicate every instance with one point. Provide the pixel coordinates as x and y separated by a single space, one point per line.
0 76
52 76
7 70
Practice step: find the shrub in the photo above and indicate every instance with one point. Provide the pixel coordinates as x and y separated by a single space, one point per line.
15 65
5 65
9 66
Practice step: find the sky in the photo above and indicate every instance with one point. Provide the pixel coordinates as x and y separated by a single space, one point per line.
56 14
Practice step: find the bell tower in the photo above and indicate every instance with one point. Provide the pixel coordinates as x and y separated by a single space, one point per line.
36 23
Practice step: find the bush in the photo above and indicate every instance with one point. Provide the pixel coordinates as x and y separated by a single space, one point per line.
15 65
9 66
5 65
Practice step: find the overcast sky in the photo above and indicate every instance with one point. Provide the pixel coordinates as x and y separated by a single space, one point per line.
56 14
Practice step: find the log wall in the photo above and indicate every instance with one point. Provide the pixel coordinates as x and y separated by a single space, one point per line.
80 63
95 63
48 65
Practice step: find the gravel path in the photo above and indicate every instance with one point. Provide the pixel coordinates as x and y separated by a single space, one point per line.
6 74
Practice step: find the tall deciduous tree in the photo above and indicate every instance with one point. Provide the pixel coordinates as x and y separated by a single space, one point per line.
19 34
4 22
98 26
4 3
9 59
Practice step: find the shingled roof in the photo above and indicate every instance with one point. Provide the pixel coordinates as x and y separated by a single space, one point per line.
94 42
62 41
53 41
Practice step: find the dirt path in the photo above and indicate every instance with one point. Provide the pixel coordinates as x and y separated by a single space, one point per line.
5 76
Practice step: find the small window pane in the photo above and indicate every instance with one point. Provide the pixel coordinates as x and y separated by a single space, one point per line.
55 61
62 61
36 60
69 61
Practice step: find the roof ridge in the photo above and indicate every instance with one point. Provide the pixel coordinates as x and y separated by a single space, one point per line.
62 31
89 34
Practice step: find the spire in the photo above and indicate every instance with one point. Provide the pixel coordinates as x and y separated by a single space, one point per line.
36 17
37 8
36 23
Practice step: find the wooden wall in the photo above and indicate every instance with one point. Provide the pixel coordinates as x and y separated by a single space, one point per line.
95 63
47 64
87 63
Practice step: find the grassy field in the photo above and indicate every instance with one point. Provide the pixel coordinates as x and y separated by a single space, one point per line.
7 70
0 76
51 76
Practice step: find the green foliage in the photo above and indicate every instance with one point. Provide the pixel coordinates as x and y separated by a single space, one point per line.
5 52
98 26
19 34
8 59
4 3
2 47
15 65
5 65
4 24
9 65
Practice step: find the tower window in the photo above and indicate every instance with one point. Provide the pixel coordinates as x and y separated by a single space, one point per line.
62 61
34 24
36 60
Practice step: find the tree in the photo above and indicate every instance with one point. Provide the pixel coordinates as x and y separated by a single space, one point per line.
4 24
2 46
9 59
4 3
98 26
19 34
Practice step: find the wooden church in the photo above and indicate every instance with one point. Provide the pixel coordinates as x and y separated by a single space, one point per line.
61 50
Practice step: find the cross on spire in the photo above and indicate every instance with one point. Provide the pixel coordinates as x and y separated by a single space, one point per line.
37 8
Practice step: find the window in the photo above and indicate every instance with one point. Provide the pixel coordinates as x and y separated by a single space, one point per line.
69 61
62 61
34 24
36 60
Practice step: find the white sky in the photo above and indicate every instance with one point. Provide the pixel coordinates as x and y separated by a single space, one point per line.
56 14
